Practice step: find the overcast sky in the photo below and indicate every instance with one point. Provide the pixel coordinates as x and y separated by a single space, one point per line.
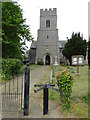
72 15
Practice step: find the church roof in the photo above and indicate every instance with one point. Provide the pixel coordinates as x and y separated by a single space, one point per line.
33 45
61 44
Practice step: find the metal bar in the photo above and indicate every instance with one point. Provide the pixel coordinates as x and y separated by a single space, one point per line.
13 83
51 84
22 87
19 101
38 85
15 95
17 85
5 82
15 100
7 101
26 88
45 101
3 100
45 94
38 89
12 93
53 88
9 87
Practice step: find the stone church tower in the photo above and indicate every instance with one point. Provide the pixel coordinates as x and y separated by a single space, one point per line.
47 47
47 40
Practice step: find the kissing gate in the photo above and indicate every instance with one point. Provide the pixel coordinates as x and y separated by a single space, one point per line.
14 97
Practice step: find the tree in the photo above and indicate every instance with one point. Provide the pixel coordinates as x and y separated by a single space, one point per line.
14 30
89 52
76 45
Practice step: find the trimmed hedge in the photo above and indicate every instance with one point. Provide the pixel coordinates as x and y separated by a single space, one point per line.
10 67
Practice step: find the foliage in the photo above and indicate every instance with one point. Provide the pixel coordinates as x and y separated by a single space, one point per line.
15 32
64 82
85 99
76 45
89 52
10 67
40 62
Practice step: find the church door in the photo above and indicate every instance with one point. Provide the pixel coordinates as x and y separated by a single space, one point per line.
47 60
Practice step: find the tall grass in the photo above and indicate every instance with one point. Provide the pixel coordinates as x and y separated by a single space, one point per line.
79 97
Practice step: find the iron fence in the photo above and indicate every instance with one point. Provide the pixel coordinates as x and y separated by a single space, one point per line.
12 91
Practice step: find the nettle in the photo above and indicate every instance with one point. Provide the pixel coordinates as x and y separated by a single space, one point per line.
65 82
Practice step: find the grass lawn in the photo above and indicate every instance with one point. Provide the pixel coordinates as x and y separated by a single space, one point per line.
79 97
33 66
80 91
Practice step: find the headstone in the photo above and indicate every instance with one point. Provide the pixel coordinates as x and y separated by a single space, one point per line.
56 63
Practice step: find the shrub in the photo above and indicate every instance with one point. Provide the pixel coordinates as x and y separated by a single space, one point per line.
40 62
65 82
85 98
10 67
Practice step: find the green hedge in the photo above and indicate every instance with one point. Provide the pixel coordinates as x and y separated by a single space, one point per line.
10 67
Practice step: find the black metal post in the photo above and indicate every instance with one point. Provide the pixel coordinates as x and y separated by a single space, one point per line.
45 88
45 100
26 88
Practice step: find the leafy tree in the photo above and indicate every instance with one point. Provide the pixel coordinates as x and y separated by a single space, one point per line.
15 32
89 52
76 45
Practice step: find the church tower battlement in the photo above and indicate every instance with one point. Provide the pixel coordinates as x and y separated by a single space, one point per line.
48 19
48 12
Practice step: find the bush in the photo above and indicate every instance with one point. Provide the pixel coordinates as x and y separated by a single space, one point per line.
10 67
65 82
85 98
40 62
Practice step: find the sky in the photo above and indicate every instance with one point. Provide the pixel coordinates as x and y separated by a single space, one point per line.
72 16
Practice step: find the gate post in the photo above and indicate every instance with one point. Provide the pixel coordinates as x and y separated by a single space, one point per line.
26 88
45 100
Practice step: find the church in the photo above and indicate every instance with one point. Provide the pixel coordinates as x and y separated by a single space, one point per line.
48 47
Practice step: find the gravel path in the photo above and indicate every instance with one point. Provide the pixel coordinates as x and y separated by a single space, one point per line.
36 103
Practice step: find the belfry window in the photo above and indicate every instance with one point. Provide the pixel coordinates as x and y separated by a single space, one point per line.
47 36
48 23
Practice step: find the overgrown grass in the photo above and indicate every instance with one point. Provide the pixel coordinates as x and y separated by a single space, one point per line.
79 99
33 66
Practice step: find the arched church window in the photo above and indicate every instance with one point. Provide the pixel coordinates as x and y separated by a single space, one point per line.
48 23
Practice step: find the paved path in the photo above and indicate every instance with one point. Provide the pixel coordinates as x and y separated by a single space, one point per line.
36 109
36 103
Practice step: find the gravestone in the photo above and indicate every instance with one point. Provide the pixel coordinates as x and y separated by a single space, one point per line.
56 63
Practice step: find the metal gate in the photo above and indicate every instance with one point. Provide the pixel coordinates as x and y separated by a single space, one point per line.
12 92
